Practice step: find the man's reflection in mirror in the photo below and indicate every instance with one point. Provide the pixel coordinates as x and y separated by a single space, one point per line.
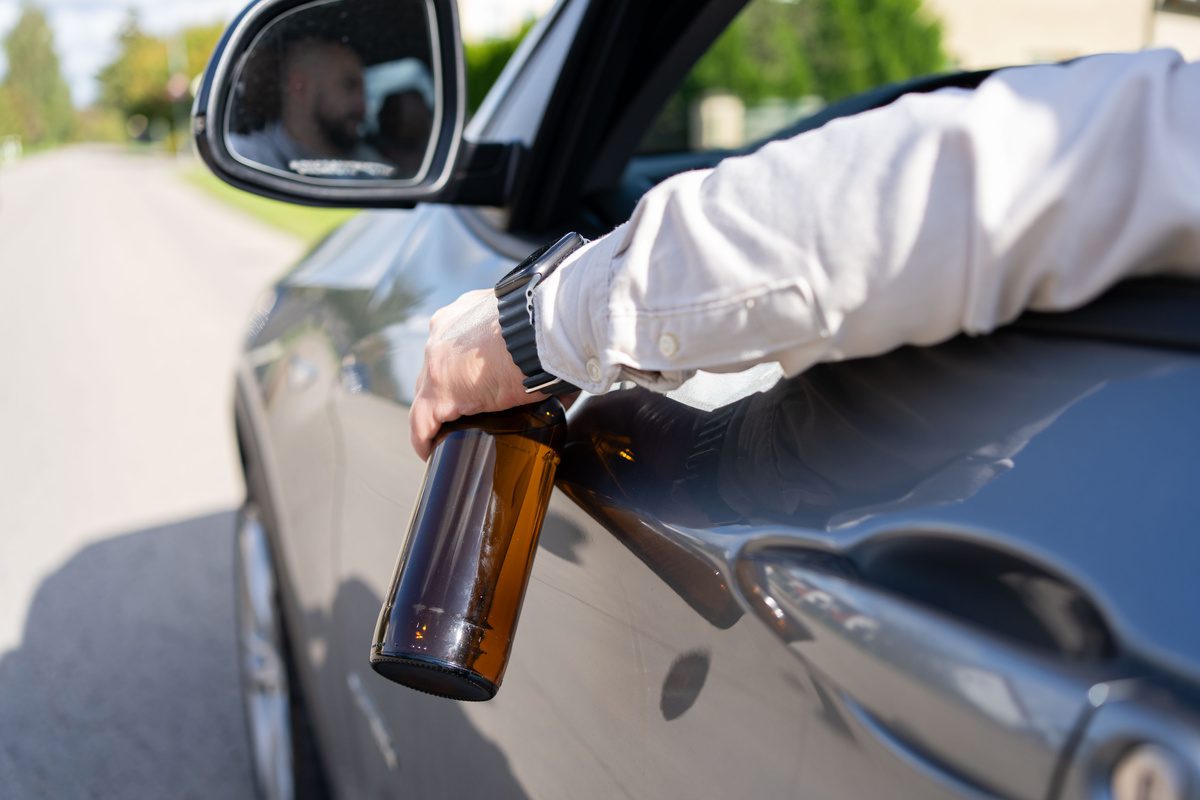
320 109
400 101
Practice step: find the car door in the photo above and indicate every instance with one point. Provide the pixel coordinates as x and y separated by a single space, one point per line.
871 580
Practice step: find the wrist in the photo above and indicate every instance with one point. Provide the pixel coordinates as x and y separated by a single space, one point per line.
514 293
571 318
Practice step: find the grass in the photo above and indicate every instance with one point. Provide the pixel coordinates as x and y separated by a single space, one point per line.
306 223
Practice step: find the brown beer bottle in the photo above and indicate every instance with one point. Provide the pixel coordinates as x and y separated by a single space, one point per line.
447 624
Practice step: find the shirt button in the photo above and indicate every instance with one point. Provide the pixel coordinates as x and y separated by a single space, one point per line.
593 370
668 345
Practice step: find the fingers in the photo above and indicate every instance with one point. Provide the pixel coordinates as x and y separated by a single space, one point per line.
466 370
425 419
427 415
421 429
431 408
423 424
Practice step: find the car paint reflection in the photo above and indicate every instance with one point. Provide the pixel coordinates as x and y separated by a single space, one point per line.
817 454
840 444
850 465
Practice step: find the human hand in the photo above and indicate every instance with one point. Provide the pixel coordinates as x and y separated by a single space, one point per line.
467 369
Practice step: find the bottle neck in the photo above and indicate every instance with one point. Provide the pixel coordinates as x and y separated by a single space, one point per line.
543 422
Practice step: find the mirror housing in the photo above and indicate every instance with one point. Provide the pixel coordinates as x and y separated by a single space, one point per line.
451 170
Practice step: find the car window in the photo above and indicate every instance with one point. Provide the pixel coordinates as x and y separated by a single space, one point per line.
783 60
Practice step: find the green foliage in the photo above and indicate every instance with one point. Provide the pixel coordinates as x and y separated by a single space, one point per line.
99 125
829 48
486 60
35 102
199 42
10 115
135 82
762 54
139 80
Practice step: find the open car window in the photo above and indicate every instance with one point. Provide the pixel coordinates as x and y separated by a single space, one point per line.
779 62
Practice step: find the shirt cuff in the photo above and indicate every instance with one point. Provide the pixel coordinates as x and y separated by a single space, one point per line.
570 317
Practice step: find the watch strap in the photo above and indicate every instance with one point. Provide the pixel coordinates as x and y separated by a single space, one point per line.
521 341
514 294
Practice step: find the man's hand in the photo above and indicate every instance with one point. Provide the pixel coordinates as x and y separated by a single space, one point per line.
467 369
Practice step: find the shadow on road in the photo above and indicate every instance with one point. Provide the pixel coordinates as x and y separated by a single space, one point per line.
125 684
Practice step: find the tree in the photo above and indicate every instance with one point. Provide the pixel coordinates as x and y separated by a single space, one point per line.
135 81
199 42
34 99
830 48
10 118
787 56
150 75
762 54
861 44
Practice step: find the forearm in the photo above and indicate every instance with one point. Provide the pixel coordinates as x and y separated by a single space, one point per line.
939 214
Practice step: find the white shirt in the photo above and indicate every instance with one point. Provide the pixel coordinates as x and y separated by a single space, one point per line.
938 214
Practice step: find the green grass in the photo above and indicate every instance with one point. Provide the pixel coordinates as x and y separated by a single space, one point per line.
306 223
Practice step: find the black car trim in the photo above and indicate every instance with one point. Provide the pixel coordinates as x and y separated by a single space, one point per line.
1158 312
632 40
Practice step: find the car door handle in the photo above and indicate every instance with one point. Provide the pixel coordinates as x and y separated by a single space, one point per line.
968 706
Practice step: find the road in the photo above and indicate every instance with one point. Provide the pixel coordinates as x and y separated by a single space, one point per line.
123 295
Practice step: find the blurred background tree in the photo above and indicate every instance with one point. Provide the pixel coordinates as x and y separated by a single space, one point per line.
829 48
135 81
776 51
781 60
149 80
35 102
199 42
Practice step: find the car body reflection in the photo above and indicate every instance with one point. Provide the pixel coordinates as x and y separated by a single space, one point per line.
822 452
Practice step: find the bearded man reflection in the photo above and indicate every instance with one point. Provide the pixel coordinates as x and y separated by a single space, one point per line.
321 109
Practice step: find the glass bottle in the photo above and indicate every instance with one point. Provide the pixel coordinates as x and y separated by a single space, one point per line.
447 624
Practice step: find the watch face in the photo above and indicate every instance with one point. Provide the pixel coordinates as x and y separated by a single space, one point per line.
516 277
545 258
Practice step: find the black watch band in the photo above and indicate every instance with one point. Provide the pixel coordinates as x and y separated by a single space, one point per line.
514 294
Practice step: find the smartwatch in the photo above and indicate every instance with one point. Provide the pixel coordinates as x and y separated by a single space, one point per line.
514 294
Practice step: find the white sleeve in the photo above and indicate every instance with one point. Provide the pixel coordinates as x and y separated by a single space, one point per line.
941 213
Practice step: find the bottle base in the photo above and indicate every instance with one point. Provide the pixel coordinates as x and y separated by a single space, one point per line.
434 676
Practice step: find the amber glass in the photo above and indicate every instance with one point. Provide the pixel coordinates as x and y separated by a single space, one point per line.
447 624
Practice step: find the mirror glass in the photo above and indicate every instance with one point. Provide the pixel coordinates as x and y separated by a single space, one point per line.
340 90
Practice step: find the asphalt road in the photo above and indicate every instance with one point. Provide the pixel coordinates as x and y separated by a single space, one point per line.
123 295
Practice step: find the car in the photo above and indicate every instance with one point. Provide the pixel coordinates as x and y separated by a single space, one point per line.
964 570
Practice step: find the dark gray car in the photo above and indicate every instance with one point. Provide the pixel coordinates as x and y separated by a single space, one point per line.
965 570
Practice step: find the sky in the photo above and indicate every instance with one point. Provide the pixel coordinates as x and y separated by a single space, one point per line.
85 30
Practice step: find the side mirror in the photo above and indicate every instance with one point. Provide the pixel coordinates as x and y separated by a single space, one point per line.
340 103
